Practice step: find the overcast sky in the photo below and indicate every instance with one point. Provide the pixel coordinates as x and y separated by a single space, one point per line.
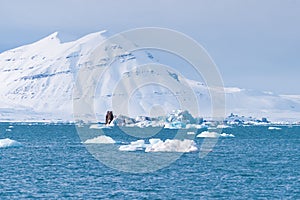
255 43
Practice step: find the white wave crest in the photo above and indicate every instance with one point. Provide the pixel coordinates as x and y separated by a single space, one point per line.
5 143
102 139
157 145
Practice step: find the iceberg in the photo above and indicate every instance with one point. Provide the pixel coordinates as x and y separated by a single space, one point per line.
181 116
175 125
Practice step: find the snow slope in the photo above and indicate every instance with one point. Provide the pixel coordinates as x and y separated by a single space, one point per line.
38 78
37 82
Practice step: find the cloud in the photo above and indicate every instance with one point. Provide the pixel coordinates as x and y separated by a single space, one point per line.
237 34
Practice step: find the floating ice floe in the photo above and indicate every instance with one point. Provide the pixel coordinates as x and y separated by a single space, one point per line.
207 134
171 146
226 135
99 126
134 146
6 143
157 145
274 128
102 139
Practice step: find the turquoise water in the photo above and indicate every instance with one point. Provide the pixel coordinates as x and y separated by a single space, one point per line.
53 163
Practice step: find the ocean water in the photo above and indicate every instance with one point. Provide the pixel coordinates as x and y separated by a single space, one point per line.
52 163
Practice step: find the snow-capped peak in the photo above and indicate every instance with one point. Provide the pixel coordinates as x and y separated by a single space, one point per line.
50 38
92 36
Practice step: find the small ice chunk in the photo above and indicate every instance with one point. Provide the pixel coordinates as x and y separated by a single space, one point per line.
226 135
102 139
274 128
207 134
133 146
5 143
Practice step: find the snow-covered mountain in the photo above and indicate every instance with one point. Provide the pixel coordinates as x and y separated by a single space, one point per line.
37 79
37 82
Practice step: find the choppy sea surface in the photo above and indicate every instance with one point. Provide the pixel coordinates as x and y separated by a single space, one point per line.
50 161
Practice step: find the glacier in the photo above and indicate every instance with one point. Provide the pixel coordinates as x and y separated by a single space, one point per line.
37 82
